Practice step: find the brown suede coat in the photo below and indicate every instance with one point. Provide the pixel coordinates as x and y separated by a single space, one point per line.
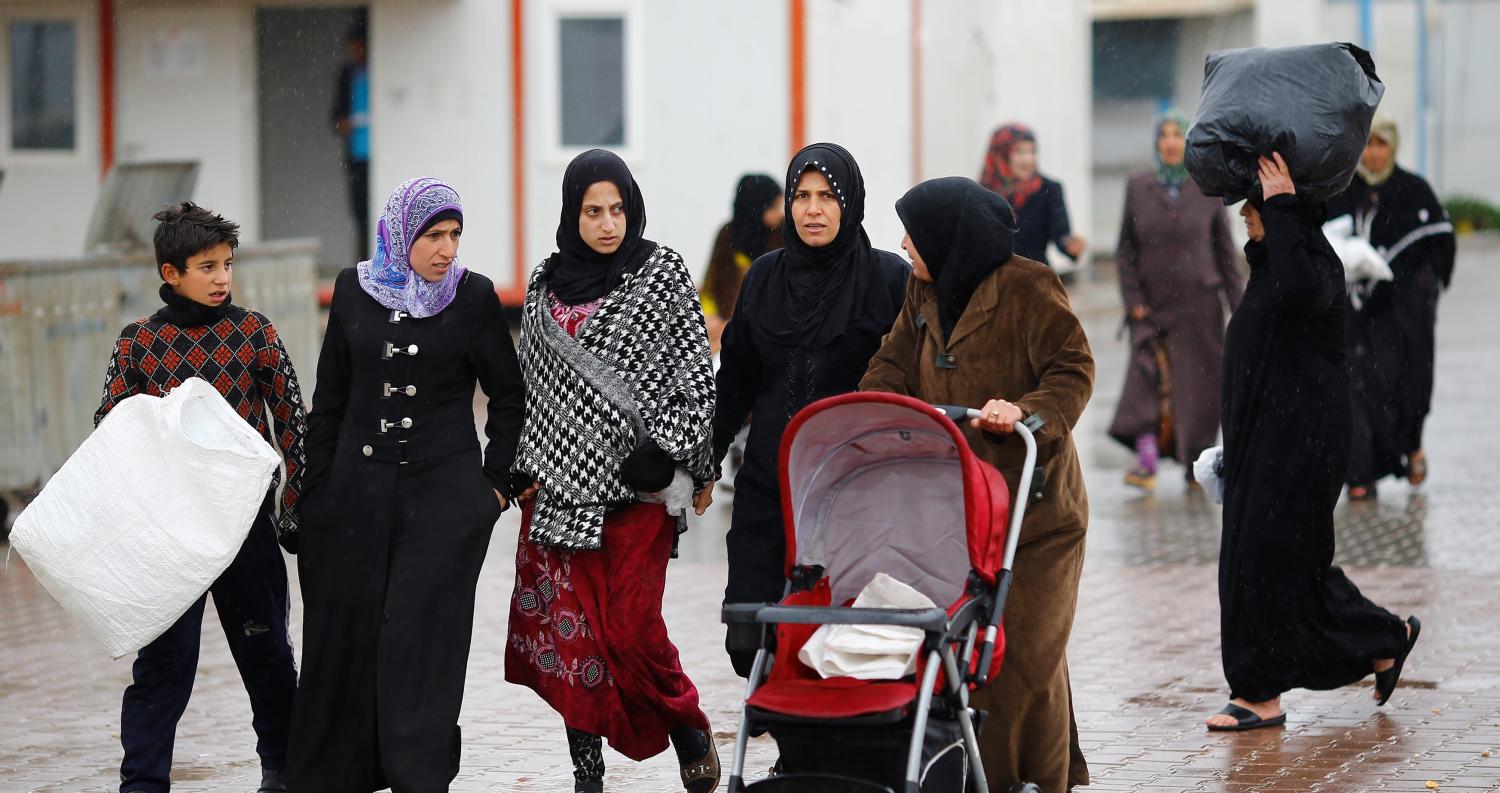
1018 340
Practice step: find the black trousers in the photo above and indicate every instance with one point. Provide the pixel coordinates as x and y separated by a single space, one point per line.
251 599
757 554
358 174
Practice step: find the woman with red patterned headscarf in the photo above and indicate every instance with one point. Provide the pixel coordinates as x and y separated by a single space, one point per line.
1010 169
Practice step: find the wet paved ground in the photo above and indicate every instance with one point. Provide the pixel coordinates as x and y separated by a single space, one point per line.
1145 656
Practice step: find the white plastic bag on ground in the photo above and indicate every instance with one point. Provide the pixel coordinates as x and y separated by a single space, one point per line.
147 513
1206 472
869 652
1361 260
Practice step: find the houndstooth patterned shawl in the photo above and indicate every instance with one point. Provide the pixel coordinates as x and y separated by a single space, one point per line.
639 366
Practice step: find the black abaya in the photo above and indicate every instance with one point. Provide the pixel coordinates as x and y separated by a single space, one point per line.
1392 324
767 382
396 521
1289 618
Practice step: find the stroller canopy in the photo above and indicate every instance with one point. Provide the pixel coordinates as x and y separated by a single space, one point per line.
875 482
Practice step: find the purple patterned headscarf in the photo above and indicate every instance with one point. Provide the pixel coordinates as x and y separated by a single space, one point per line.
388 277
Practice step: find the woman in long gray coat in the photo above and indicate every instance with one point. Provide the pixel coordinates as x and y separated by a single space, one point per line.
1178 271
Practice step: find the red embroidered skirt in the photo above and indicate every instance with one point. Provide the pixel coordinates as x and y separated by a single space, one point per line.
586 633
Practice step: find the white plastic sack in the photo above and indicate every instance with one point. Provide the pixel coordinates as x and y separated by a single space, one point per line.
1206 472
869 652
1361 260
147 513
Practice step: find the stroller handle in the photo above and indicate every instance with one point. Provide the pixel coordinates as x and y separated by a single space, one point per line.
1027 430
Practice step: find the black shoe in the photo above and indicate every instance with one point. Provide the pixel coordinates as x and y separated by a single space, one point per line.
701 775
591 786
272 781
1385 682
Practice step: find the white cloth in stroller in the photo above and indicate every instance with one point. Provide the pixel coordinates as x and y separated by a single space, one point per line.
869 652
147 513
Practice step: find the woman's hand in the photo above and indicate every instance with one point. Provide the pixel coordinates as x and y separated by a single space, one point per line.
530 492
703 499
1074 245
715 326
998 416
501 499
1275 178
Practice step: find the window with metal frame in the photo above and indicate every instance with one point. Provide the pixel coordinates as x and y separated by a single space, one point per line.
592 100
43 85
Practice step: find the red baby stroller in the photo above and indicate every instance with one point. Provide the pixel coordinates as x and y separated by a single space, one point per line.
879 483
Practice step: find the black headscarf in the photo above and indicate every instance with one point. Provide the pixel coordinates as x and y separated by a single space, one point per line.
577 273
809 295
963 233
754 195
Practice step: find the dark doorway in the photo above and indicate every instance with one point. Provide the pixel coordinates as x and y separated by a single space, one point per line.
303 188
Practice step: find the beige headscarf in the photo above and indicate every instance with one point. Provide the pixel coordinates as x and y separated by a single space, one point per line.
1384 127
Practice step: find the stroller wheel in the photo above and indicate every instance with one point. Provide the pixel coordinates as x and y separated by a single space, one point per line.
1025 787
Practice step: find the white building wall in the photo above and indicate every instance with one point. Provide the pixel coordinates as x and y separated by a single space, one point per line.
185 77
716 87
1394 49
709 104
860 97
440 106
1466 62
958 88
1283 23
45 198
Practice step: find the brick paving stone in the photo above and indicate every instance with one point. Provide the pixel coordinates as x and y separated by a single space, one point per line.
1144 655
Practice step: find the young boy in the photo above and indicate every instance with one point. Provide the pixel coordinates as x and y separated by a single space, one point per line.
199 332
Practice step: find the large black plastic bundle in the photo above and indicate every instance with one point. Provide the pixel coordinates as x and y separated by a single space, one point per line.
1312 104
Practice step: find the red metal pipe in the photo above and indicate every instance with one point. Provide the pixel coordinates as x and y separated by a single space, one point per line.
798 46
106 86
516 292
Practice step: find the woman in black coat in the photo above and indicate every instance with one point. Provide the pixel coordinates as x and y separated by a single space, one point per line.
1289 618
1393 324
1010 169
808 319
400 504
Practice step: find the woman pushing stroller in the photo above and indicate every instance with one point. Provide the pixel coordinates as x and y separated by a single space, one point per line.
982 326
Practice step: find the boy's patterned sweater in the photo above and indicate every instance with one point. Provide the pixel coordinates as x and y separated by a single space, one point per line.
243 357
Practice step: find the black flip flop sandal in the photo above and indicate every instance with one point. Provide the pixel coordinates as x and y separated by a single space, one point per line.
1385 682
1245 719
